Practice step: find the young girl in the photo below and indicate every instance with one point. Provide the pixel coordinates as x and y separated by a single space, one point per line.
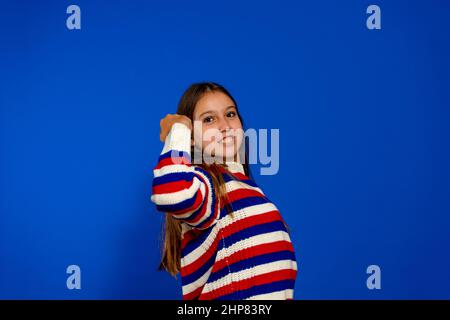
222 234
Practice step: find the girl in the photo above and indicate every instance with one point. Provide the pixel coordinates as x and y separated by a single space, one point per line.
227 240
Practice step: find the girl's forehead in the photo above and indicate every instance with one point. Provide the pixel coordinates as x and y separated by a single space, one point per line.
213 102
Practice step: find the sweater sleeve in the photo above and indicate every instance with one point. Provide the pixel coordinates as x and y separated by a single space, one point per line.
180 188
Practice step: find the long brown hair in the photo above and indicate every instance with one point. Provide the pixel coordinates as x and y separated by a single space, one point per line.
171 233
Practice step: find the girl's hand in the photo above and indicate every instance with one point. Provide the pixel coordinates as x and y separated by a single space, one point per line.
167 122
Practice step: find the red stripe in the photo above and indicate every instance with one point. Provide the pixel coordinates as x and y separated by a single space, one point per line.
250 221
171 187
242 193
189 236
251 282
238 175
172 160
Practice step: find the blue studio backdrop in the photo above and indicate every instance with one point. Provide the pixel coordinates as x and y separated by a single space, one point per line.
363 116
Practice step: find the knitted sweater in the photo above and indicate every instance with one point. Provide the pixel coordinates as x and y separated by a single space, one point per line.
246 255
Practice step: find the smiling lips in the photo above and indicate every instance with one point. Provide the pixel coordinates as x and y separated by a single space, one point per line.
227 140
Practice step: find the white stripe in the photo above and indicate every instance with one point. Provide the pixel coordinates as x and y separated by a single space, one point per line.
278 295
246 212
254 271
173 168
235 185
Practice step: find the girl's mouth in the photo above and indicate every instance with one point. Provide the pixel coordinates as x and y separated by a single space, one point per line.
227 140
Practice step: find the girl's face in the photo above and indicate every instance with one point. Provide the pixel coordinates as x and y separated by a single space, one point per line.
221 129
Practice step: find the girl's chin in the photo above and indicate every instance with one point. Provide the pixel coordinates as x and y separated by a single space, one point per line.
228 156
228 152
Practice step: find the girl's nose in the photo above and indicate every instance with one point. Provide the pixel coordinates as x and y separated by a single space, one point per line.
224 125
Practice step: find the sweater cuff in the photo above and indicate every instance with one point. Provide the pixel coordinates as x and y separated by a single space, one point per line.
178 138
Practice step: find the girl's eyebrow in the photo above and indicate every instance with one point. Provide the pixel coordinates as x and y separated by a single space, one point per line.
206 112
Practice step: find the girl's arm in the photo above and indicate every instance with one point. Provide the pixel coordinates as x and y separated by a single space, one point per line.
179 188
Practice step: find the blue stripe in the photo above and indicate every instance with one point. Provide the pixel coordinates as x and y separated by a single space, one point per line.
173 177
250 262
206 173
243 203
261 289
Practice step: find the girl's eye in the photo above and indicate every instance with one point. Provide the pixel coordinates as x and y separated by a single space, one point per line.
231 114
208 119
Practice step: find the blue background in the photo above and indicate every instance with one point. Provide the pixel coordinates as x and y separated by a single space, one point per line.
364 129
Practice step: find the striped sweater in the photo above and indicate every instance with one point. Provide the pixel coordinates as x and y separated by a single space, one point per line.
246 255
